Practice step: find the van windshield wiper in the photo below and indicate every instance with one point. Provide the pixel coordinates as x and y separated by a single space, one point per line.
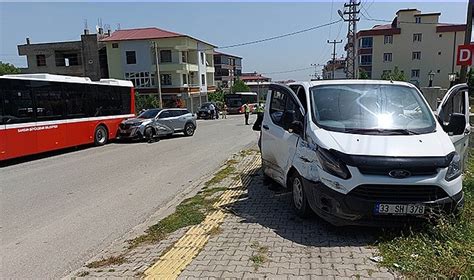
381 131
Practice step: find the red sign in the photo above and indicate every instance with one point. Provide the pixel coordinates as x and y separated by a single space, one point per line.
465 55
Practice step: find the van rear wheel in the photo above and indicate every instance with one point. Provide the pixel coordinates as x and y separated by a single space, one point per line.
300 200
100 136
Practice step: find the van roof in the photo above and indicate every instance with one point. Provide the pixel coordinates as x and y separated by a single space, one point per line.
351 82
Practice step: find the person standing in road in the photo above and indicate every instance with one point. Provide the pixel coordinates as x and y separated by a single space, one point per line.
246 113
212 109
224 112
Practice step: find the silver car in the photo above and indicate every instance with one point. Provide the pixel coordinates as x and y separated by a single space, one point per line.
157 123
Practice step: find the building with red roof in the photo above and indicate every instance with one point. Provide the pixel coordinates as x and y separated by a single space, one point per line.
415 42
185 64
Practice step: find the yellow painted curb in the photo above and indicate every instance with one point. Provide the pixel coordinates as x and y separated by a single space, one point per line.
183 251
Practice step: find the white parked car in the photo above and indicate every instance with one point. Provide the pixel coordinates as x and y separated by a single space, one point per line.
361 152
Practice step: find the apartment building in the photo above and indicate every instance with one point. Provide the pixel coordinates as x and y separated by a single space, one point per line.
339 68
186 64
228 68
84 58
418 44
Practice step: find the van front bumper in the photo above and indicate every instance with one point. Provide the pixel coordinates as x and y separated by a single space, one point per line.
352 209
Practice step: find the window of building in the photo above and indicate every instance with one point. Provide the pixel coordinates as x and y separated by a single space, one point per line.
185 79
141 79
417 19
202 58
67 58
417 37
203 79
366 42
387 57
131 57
415 73
166 79
366 59
184 57
165 56
114 45
388 39
416 56
40 60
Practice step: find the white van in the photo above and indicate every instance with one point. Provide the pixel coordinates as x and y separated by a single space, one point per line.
365 152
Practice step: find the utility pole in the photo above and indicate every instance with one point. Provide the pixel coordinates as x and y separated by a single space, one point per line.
467 37
316 74
158 77
334 43
351 10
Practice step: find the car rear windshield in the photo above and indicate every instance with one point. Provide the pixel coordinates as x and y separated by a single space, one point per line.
371 109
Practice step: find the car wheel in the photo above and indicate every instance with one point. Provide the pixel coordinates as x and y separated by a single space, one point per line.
300 200
149 133
189 129
100 136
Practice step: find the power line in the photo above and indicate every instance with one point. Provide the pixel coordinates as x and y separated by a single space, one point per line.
280 36
330 19
287 71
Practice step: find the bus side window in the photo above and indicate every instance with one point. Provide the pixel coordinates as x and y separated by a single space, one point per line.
49 100
76 101
18 103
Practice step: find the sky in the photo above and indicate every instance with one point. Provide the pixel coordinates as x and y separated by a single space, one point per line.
221 24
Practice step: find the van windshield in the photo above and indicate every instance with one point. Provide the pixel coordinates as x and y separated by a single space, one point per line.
371 109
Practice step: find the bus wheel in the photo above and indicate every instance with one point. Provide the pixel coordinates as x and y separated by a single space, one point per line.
100 136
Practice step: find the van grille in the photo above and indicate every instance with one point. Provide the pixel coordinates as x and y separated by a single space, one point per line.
381 193
414 171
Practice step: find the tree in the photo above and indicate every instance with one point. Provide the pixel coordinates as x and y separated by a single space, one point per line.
217 96
470 81
7 68
363 75
240 86
395 75
146 102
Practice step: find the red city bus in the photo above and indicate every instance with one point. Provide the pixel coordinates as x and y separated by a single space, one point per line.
43 112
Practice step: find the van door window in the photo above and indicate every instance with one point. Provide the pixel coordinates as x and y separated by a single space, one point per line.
456 104
277 106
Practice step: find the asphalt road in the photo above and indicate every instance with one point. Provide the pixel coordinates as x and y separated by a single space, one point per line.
58 211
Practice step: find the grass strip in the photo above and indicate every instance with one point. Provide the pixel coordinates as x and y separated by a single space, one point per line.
444 249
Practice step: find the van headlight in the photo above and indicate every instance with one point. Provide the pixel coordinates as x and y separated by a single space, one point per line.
454 168
331 164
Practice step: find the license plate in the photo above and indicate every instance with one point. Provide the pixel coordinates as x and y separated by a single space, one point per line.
400 209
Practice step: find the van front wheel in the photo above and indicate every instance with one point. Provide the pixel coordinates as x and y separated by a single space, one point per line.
300 201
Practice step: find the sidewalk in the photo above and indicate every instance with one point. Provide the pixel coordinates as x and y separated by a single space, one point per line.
252 232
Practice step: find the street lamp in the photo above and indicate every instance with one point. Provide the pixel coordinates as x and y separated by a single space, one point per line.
452 79
431 75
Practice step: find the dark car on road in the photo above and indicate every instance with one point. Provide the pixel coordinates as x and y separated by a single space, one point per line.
205 111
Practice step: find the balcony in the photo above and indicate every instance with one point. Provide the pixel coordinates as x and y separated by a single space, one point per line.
177 67
210 69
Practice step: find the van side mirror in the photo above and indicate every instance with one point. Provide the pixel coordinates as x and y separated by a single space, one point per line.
296 127
456 125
